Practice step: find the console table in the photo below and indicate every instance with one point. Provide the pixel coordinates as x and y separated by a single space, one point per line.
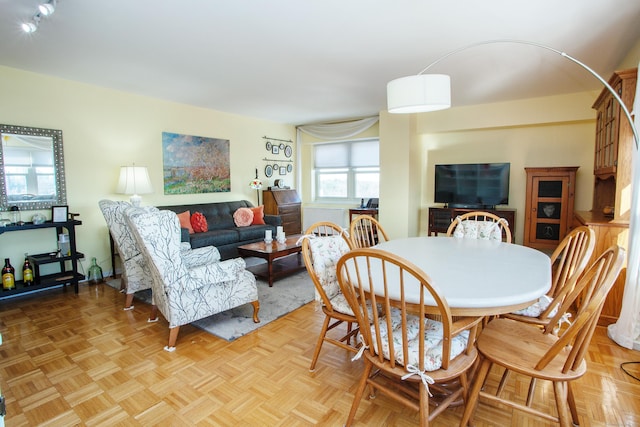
65 275
441 218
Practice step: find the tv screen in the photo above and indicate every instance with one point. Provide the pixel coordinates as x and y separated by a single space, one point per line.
474 185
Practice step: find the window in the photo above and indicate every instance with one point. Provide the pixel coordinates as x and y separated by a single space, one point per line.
347 171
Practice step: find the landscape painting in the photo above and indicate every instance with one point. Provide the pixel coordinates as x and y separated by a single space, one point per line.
195 164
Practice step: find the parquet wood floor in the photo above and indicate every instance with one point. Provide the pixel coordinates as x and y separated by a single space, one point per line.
81 360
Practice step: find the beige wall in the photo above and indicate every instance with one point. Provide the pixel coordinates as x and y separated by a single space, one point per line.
554 131
104 129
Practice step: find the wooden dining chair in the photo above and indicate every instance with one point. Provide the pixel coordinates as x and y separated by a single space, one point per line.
480 225
365 231
322 246
407 355
568 262
540 354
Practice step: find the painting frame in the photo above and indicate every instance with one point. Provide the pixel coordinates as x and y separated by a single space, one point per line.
195 164
59 213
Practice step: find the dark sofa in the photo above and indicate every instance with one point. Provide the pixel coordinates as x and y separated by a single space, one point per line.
223 233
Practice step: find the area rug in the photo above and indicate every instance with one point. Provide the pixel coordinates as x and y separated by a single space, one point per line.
286 295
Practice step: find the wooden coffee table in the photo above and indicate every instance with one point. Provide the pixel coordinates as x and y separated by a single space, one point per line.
282 259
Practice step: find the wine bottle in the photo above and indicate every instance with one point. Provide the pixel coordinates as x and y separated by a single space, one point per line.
8 276
27 272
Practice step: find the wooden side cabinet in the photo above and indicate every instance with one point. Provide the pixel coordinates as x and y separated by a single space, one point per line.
287 204
548 214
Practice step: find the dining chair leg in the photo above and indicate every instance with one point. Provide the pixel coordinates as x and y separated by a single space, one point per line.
560 390
503 382
572 404
424 406
532 389
478 382
368 366
323 333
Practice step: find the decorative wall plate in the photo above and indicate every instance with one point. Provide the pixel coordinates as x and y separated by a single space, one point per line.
289 168
275 167
287 151
268 171
268 146
282 146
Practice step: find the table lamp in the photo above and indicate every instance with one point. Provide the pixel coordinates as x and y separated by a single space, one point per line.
134 180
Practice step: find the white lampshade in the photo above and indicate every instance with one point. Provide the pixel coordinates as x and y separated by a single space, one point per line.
134 180
418 94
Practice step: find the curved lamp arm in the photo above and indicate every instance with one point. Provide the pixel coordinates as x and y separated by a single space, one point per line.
563 54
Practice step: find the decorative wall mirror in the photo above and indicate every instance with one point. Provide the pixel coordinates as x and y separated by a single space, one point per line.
31 168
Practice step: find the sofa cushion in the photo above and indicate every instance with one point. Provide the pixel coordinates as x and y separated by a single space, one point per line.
258 215
185 221
252 232
199 222
215 238
243 217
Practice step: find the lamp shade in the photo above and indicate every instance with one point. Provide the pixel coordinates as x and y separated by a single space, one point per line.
134 180
418 94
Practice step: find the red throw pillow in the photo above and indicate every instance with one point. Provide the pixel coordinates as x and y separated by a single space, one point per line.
258 215
185 221
243 217
199 222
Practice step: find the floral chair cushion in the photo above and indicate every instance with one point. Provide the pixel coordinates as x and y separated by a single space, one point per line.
482 230
538 307
432 338
325 252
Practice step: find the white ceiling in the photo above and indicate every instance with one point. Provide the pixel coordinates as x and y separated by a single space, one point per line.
307 61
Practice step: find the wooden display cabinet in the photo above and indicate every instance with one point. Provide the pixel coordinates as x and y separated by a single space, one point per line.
548 214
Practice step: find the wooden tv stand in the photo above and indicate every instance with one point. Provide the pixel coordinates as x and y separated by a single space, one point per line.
441 218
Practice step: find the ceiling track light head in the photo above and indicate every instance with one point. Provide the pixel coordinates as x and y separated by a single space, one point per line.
47 8
32 25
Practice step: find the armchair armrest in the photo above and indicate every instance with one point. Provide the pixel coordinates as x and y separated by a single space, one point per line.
216 272
199 256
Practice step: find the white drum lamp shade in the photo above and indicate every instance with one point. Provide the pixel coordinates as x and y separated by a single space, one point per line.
134 180
419 94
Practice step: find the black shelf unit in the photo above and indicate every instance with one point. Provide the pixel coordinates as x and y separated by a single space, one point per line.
65 275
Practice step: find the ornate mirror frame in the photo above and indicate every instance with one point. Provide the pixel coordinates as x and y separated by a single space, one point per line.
60 198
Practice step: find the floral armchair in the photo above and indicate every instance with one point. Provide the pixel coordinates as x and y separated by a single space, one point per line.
182 293
136 275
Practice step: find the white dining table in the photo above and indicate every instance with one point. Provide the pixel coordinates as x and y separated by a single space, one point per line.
477 277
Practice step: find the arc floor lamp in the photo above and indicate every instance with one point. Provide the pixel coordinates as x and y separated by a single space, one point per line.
432 92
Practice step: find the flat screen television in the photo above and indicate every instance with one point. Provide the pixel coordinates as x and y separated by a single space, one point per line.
476 185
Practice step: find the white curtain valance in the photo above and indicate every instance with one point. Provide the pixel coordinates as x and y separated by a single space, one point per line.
336 131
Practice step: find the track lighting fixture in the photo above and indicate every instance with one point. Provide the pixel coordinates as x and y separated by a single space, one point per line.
44 10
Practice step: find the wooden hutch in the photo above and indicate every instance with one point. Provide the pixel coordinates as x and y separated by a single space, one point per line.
612 179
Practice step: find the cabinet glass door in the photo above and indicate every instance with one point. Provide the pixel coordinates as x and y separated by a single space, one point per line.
548 219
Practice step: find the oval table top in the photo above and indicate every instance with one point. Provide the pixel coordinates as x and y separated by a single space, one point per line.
478 277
